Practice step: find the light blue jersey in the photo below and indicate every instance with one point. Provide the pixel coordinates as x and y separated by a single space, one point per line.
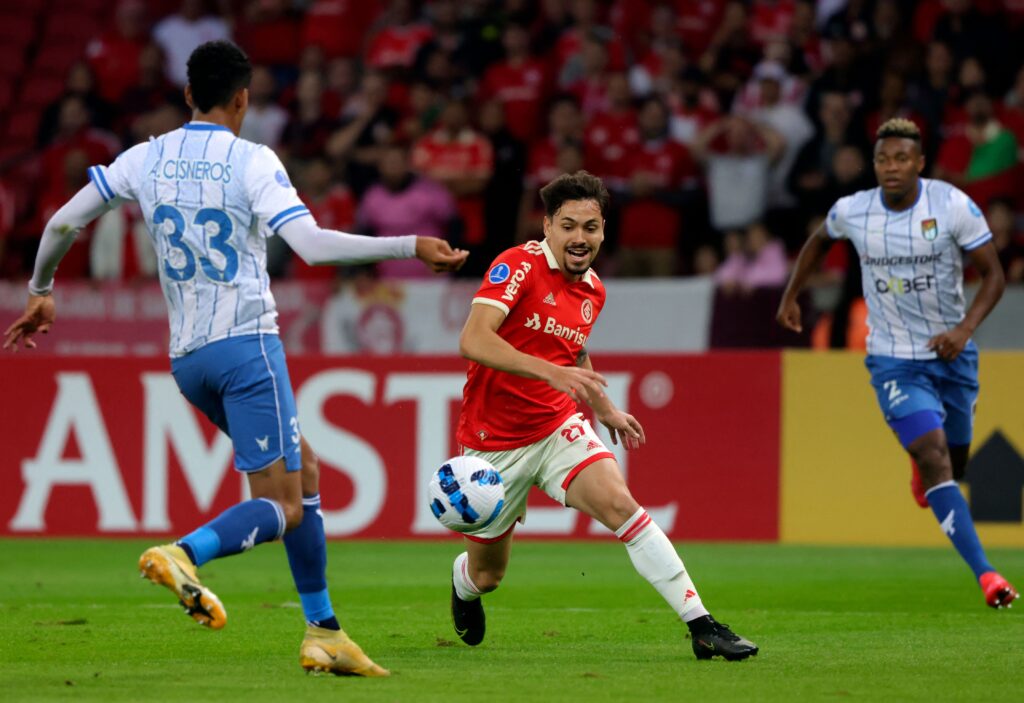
210 200
911 263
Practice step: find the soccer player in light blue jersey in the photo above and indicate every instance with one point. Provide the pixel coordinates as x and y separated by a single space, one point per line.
211 200
911 234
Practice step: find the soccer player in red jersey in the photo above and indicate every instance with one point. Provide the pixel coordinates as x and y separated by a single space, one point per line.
525 338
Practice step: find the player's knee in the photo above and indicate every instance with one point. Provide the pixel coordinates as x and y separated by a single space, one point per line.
292 514
310 474
619 506
933 461
487 580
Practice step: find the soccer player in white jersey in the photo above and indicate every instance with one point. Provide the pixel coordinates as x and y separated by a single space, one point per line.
910 234
210 201
525 338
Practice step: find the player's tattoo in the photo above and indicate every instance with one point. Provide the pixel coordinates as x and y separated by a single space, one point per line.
581 358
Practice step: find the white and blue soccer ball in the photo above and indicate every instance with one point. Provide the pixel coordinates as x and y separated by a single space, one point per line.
466 493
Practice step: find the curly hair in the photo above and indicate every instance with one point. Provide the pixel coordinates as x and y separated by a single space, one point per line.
900 128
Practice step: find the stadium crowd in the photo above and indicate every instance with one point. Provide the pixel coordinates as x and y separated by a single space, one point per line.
724 129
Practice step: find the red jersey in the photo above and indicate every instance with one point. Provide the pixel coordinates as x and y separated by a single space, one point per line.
521 89
610 137
548 317
334 210
468 154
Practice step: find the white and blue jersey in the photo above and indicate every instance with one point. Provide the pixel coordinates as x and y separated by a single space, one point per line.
911 263
210 200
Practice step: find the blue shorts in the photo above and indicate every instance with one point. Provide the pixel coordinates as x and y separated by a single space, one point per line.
242 385
920 396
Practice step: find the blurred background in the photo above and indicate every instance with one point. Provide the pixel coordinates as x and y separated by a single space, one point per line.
724 131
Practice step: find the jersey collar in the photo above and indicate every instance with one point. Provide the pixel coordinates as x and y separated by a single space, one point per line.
588 277
205 127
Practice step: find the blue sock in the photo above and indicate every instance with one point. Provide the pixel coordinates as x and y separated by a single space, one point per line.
237 529
954 516
307 556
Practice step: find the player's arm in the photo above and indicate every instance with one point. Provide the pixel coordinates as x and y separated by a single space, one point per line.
950 343
325 247
811 255
58 236
621 426
480 342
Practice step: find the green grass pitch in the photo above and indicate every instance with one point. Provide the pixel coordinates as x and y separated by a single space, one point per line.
571 622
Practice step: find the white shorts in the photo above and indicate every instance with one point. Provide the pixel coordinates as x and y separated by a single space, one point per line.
550 464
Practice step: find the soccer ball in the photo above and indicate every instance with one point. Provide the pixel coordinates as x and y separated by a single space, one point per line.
466 493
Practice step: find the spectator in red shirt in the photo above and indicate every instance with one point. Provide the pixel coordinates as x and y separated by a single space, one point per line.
612 134
696 22
585 24
369 124
461 159
80 82
981 157
331 205
662 178
74 133
590 68
402 35
520 82
7 212
308 128
114 56
770 20
1008 241
270 33
565 127
338 27
70 176
152 92
693 105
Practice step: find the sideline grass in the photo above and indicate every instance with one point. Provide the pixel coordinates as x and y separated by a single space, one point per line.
571 622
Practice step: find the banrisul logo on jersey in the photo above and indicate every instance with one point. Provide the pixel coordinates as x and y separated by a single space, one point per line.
929 229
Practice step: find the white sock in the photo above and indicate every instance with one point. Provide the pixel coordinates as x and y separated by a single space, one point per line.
656 560
464 586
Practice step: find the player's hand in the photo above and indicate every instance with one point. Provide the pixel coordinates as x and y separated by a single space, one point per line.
788 315
625 426
439 255
581 384
950 343
38 317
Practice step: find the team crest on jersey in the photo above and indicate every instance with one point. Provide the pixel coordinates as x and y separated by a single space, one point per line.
587 310
929 229
499 274
282 178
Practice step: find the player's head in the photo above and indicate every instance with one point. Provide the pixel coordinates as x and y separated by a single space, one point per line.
219 74
898 157
575 205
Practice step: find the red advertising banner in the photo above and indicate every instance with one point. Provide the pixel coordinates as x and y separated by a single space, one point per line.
98 446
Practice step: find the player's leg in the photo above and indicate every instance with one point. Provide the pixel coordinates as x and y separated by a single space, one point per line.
958 390
476 571
233 384
600 491
325 646
481 567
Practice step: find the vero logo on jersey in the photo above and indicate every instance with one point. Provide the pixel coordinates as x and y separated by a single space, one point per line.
517 279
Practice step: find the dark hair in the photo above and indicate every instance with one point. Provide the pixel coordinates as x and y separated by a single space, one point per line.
574 186
216 71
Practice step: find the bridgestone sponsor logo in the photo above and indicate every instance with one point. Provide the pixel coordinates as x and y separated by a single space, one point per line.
900 260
